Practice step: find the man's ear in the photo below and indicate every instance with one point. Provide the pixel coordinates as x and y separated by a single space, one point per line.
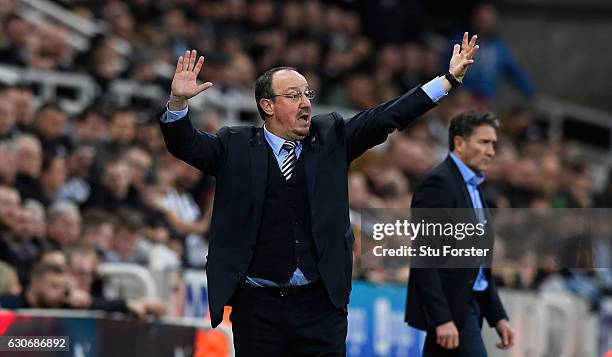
266 105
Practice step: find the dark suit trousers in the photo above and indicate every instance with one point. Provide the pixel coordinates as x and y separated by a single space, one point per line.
470 339
266 322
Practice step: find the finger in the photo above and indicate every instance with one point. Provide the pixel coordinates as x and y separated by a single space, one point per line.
441 340
464 43
510 338
444 342
473 41
455 341
192 60
204 86
186 61
179 64
473 51
505 337
448 342
198 65
456 49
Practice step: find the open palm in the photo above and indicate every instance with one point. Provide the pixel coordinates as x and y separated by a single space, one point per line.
463 56
184 82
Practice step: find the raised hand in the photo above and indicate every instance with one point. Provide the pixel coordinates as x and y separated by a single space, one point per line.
463 56
184 82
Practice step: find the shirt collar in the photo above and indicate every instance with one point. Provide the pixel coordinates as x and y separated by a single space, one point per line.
469 176
276 142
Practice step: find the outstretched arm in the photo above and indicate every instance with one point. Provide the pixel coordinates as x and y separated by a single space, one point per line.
371 127
201 150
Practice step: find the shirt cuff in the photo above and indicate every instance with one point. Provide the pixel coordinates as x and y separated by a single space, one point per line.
434 89
172 115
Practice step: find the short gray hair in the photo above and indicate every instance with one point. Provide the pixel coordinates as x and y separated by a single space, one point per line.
60 209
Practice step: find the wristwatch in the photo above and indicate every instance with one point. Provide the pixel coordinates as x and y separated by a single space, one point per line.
453 81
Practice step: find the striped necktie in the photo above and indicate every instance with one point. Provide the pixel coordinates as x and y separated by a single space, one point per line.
290 159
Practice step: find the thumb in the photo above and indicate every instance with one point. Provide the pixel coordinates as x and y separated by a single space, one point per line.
204 86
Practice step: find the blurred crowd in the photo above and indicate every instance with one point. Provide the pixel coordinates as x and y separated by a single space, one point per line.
99 186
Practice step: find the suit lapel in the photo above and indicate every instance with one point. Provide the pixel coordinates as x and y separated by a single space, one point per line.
259 172
465 195
311 164
485 207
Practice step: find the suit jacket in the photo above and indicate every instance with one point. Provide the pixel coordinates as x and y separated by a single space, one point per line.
237 157
436 296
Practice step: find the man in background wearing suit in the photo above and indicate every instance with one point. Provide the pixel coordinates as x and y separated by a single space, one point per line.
450 303
280 249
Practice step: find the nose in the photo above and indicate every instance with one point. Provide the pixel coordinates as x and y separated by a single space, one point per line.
304 101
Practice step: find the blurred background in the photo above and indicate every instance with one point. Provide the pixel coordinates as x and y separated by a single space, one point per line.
95 215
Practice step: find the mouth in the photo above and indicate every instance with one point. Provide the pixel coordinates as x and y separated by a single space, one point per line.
305 117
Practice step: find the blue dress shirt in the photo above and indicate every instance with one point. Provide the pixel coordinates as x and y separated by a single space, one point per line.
472 180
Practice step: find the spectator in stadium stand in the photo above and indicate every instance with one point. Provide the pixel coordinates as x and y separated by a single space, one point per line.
47 289
28 162
50 126
9 283
496 59
280 238
80 170
184 215
122 132
115 189
140 162
53 175
35 222
7 162
63 224
51 286
450 303
22 98
98 230
14 250
15 50
8 127
92 126
83 262
128 243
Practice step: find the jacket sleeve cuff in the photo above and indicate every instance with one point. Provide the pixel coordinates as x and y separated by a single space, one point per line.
172 115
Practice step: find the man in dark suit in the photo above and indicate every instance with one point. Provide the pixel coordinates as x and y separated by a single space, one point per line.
280 248
450 303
